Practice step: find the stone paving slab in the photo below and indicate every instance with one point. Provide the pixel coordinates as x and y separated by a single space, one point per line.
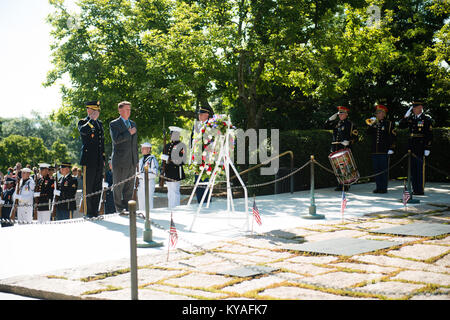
301 268
297 293
420 251
389 287
417 229
254 284
423 276
201 294
444 262
343 280
399 262
365 267
199 280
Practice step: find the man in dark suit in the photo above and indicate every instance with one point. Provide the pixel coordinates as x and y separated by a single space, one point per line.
92 155
125 155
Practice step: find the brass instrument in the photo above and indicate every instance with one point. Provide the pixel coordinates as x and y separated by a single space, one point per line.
370 121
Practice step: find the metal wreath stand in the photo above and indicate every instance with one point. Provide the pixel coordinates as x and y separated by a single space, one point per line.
223 159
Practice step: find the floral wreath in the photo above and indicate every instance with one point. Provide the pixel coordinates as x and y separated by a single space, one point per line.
204 144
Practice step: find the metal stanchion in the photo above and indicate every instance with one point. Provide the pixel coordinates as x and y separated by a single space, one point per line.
133 250
148 234
411 200
312 206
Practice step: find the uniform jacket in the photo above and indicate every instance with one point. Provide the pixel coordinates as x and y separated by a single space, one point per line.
420 132
93 139
174 171
44 192
152 163
8 199
68 187
124 145
342 130
26 192
383 136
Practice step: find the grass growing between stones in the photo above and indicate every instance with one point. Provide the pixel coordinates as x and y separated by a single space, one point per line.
105 275
108 288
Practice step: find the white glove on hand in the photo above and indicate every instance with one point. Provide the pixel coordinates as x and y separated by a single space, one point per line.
2 201
390 152
408 112
333 117
57 193
426 153
164 157
345 142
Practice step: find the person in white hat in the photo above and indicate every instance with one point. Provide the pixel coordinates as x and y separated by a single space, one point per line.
151 162
43 194
174 155
25 197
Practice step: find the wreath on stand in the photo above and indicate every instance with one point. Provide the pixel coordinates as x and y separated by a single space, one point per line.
205 144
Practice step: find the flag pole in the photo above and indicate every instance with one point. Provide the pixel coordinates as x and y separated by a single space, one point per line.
168 242
253 214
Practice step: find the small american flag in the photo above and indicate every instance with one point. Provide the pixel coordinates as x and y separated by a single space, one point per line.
256 213
343 202
406 196
173 236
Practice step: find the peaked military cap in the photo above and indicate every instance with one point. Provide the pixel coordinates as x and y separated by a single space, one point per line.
206 109
95 105
342 109
65 165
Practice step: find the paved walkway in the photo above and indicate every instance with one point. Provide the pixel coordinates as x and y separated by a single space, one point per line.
89 260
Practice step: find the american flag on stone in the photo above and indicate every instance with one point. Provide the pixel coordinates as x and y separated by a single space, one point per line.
406 196
256 213
173 236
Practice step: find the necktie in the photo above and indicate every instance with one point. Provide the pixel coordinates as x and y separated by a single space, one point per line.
128 124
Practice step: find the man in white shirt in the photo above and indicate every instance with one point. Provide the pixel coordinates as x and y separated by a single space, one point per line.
151 162
25 197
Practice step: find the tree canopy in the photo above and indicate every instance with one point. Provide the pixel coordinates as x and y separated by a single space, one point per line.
269 63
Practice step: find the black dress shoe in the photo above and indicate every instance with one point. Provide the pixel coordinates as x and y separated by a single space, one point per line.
382 191
376 191
418 193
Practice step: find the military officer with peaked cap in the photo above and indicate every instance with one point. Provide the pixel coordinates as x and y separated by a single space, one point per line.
420 140
92 155
383 136
43 194
344 133
204 113
66 190
174 154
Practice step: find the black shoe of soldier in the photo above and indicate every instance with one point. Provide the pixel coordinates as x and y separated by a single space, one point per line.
421 193
375 191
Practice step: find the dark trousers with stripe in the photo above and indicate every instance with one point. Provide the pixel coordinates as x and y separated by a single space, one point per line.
417 172
380 163
94 177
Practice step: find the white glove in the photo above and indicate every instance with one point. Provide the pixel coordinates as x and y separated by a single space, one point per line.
373 118
2 201
390 152
164 157
345 142
408 112
18 197
426 153
37 194
333 117
57 193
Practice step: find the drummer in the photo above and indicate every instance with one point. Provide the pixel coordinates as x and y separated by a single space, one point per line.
345 133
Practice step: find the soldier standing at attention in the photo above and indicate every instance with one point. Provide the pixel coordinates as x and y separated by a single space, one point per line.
344 133
174 154
7 198
43 194
419 142
66 189
383 136
92 156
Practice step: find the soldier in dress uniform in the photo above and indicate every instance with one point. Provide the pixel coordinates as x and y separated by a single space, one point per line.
420 139
204 113
7 199
43 194
383 137
344 133
174 154
25 197
66 189
92 155
147 160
